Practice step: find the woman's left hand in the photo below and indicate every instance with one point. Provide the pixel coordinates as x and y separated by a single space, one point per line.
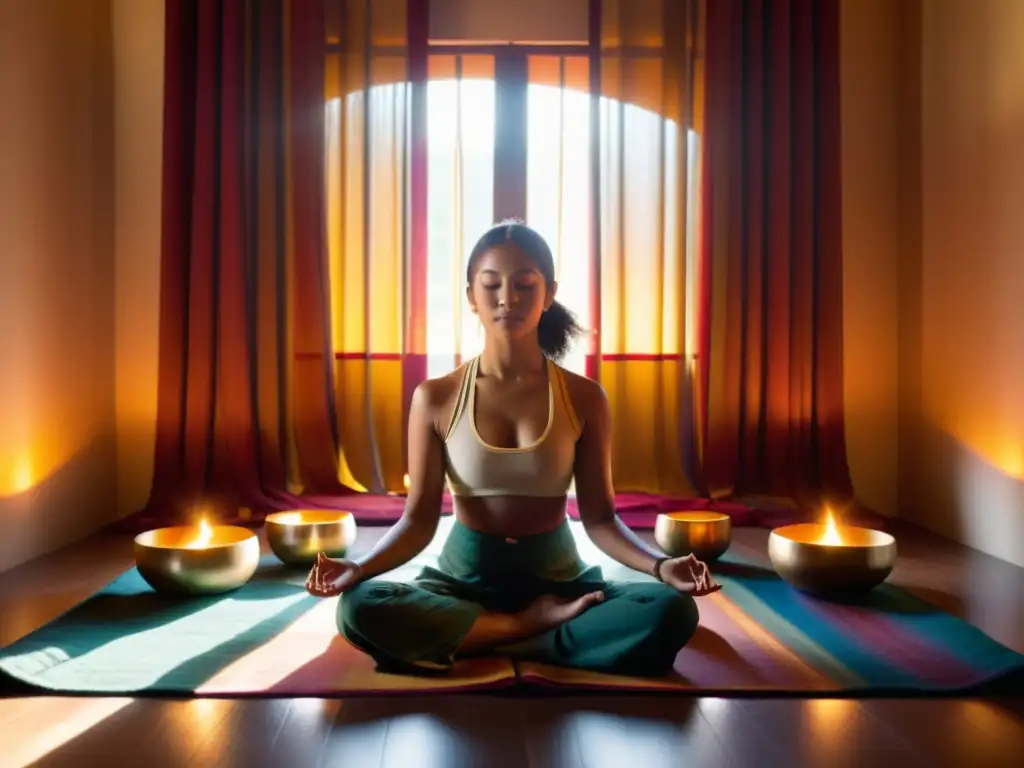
690 575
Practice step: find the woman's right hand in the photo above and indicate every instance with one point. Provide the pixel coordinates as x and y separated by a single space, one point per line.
332 577
689 575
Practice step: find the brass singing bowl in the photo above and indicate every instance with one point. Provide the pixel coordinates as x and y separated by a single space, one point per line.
225 563
863 561
297 536
706 534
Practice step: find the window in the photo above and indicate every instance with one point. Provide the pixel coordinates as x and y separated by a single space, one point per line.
460 206
558 198
461 151
462 145
642 227
418 169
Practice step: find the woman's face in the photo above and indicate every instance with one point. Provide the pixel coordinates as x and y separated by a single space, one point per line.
508 291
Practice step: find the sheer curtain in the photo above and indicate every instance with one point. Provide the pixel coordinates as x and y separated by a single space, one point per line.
648 177
635 295
638 296
558 185
368 125
460 191
398 312
633 148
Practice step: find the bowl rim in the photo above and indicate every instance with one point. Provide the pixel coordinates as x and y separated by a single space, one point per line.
250 535
886 539
278 518
709 515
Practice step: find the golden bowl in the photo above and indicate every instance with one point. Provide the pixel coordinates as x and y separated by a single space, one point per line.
862 561
187 561
706 534
297 536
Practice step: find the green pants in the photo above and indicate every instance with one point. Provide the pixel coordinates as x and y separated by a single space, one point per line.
416 627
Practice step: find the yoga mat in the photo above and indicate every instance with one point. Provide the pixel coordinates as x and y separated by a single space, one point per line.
269 638
759 635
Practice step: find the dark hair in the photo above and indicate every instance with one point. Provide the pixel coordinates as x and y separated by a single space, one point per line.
558 326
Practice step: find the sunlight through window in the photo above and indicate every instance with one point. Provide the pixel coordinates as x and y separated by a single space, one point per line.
558 194
460 204
461 149
642 219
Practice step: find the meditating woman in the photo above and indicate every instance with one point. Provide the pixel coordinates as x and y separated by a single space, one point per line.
511 429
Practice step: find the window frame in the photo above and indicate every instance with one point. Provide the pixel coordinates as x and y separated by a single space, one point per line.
510 150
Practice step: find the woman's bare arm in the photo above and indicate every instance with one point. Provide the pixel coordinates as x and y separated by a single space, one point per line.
418 524
595 494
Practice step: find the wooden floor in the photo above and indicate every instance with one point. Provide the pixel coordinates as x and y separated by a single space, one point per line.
502 730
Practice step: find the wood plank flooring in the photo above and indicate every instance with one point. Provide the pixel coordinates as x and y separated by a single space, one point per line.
502 730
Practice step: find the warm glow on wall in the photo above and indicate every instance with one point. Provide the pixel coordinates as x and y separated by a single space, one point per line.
51 408
25 465
1011 458
995 444
19 475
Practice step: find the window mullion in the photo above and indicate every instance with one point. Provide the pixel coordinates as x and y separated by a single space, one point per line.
510 80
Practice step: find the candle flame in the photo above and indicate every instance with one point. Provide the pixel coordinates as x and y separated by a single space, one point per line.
203 538
405 481
830 537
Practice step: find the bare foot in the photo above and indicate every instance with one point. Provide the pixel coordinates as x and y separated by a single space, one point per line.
549 611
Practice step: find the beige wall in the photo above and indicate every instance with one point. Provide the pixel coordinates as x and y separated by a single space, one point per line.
969 480
870 102
57 464
933 165
138 80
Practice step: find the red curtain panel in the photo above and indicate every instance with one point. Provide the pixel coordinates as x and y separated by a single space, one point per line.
772 336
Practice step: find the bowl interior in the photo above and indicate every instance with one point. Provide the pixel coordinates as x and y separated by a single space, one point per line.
701 516
308 517
813 534
189 537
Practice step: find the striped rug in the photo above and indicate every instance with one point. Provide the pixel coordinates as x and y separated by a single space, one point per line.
760 636
271 639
